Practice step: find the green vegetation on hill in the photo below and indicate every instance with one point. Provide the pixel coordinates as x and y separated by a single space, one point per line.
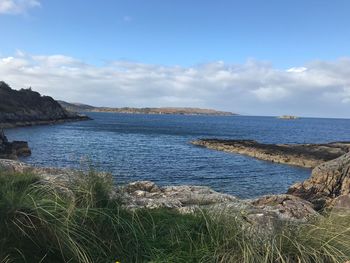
84 222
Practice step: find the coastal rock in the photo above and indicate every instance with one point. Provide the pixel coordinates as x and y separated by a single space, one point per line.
328 181
304 155
342 202
146 194
188 198
286 206
12 150
26 107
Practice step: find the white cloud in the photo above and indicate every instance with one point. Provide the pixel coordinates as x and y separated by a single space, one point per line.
251 88
270 93
17 6
297 69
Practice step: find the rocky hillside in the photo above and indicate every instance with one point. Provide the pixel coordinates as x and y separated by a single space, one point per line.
26 107
78 107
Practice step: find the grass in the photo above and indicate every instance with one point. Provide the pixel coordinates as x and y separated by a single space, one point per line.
83 223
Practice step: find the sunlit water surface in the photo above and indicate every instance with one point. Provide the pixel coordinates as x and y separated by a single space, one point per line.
157 148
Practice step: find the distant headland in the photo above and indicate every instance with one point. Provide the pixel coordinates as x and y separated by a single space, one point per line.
78 107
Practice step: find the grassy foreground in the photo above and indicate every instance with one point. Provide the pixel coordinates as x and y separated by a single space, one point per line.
42 223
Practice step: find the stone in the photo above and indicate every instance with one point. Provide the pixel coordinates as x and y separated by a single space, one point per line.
286 206
147 186
12 150
342 202
328 181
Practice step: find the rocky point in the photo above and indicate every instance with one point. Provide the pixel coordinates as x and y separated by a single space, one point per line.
12 150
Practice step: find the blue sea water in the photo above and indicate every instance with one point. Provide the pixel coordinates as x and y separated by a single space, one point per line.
157 148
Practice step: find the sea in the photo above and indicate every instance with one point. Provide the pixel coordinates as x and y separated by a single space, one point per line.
157 148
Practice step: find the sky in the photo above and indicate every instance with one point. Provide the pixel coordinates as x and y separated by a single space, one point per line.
250 57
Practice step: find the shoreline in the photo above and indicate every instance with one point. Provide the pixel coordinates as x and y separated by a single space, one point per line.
17 124
301 155
184 198
328 183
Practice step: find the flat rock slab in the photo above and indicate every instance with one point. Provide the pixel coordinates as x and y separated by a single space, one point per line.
303 155
189 198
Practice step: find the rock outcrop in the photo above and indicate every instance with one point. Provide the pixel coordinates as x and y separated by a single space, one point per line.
146 194
183 198
12 150
189 198
303 155
286 206
328 185
26 107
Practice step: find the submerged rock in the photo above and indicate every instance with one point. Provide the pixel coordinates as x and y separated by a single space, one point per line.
304 155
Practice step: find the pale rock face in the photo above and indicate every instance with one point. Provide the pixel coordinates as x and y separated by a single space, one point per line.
342 202
328 181
286 206
189 198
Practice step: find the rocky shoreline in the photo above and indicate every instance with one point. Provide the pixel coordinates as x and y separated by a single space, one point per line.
327 188
329 184
14 124
303 155
182 198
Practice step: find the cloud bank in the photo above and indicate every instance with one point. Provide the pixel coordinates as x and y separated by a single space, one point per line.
17 6
319 88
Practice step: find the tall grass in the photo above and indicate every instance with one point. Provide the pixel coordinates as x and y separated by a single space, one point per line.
40 222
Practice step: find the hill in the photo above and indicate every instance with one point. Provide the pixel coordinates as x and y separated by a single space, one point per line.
78 107
26 107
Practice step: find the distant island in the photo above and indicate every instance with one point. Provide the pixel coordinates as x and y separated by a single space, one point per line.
26 107
78 107
288 117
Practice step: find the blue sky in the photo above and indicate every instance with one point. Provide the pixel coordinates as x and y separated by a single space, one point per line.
286 33
262 38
